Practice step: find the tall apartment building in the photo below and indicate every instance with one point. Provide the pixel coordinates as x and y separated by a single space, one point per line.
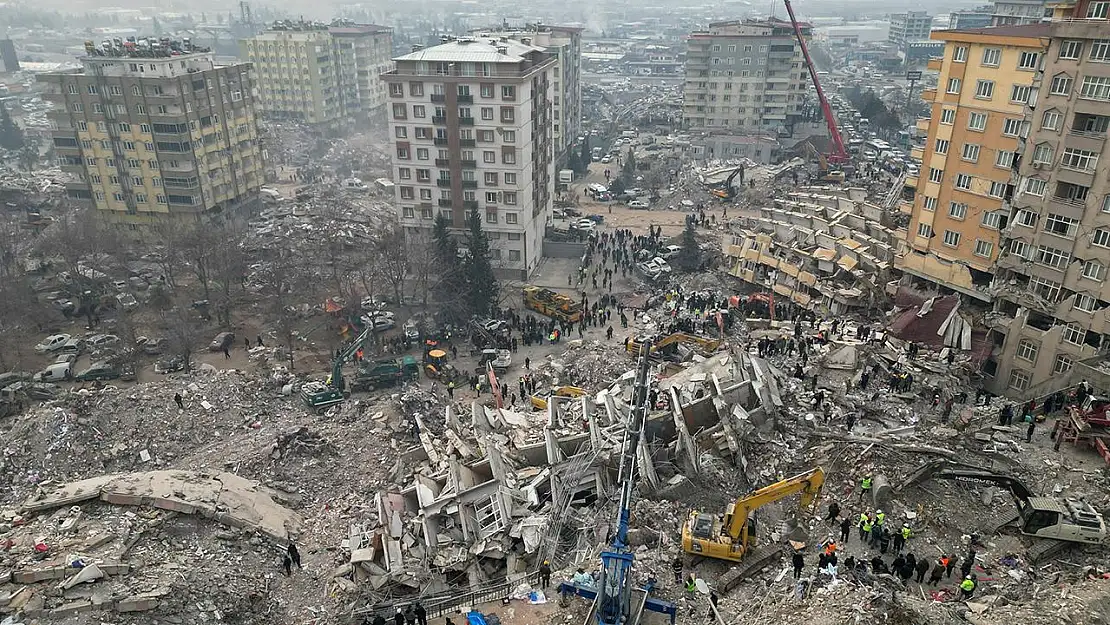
745 77
565 42
909 27
471 129
1017 12
979 17
155 129
986 77
324 75
1051 284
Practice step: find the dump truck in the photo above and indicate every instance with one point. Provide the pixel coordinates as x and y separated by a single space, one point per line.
388 372
551 304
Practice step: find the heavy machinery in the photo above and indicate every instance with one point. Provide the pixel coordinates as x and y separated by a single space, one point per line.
725 190
436 366
499 359
732 535
552 304
387 372
824 174
322 395
838 154
1052 523
662 348
539 400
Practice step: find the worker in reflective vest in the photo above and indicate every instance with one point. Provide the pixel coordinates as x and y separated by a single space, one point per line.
865 487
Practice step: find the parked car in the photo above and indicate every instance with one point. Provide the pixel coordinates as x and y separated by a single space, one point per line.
52 343
222 341
659 264
97 341
53 373
98 371
412 330
169 365
640 204
127 300
583 224
153 347
70 358
670 251
73 346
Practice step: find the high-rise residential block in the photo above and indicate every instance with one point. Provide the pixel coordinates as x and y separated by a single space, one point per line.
986 79
326 75
1017 12
565 43
155 129
745 77
1051 285
471 130
909 27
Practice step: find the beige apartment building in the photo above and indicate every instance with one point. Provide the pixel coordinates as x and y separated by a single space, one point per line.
1051 285
471 129
985 81
325 75
155 129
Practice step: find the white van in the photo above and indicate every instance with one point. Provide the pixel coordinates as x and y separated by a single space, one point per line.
54 373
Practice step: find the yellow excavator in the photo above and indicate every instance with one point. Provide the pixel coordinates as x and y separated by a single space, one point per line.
731 536
703 344
540 399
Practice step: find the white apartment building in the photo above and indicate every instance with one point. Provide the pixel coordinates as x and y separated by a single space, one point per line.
471 129
565 43
324 75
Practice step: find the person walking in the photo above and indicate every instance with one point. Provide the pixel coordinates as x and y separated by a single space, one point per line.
922 567
949 564
294 554
845 529
676 568
1031 422
178 400
399 618
410 616
865 487
799 563
421 614
865 528
227 352
834 512
937 573
545 574
287 564
451 389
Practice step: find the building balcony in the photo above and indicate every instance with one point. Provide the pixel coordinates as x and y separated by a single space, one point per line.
443 162
439 98
470 184
468 164
439 121
467 143
464 99
444 203
442 182
911 182
466 121
440 141
470 205
917 152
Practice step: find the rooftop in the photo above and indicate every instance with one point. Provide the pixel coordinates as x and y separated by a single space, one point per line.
143 48
474 50
1039 29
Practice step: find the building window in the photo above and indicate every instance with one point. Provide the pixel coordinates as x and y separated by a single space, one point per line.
1061 226
398 111
957 210
421 154
403 154
1085 302
1019 380
404 173
419 111
514 255
953 85
491 217
1051 120
1028 60
1073 334
485 90
1083 160
408 212
951 238
490 178
1011 127
407 193
1101 237
997 189
1093 270
426 194
977 121
160 198
1095 88
1027 350
1020 93
970 152
1098 10
1045 288
1026 218
1004 159
423 132
425 175
507 114
491 197
489 156
508 158
425 213
1071 49
925 230
941 146
509 136
510 218
984 89
485 136
936 175
963 182
401 132
1052 257
396 89
416 89
992 56
487 113
1034 186
1061 85
77 108
959 55
983 248
948 116
929 203
510 179
1100 51
1020 249
509 197
1062 365
508 92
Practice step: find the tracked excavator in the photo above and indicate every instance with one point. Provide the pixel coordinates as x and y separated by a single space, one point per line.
732 535
1053 524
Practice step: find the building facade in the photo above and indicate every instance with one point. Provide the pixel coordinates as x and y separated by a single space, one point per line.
324 75
745 77
985 80
1017 12
471 130
1051 285
908 27
979 17
565 43
151 133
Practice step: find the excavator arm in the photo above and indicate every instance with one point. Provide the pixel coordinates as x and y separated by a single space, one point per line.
808 483
974 475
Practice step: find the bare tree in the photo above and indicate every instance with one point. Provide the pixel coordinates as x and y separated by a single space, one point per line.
228 267
279 280
185 331
89 248
394 259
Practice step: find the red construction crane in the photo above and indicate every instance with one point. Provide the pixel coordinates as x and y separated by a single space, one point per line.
838 153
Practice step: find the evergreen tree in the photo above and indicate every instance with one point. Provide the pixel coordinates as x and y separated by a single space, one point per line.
447 250
574 163
584 156
628 171
690 257
11 137
481 284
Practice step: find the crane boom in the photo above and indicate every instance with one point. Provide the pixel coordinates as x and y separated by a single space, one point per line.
839 154
615 585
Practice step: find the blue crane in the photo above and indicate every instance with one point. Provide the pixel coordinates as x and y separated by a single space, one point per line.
615 584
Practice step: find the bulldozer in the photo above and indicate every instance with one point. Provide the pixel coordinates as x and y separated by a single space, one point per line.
436 366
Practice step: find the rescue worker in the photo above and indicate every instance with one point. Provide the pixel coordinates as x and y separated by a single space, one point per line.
845 529
880 518
864 487
451 389
937 573
545 574
949 564
967 587
799 563
864 528
676 568
921 569
834 511
691 584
